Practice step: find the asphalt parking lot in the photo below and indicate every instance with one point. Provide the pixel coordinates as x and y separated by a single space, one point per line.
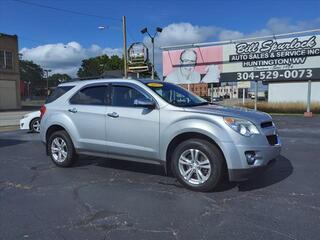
111 199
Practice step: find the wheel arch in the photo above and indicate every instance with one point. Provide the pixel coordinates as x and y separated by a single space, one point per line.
51 130
183 137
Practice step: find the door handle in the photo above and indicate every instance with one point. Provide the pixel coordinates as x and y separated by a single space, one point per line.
73 110
113 115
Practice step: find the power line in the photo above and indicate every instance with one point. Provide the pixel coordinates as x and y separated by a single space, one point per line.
66 10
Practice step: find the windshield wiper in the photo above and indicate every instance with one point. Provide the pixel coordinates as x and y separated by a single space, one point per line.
200 104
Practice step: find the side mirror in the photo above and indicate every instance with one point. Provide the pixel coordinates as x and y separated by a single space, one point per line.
145 103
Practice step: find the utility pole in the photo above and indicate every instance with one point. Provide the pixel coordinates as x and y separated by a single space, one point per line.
124 30
124 34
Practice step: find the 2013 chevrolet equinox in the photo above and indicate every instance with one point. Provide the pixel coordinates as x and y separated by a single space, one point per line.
157 122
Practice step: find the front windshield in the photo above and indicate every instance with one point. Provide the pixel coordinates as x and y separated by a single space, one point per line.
176 95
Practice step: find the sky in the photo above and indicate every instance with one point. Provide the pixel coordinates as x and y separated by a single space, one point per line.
59 40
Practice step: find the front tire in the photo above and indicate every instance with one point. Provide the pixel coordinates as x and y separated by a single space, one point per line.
198 165
61 149
35 125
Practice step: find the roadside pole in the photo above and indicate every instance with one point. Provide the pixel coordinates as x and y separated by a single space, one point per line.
152 41
308 113
124 30
211 92
243 95
256 97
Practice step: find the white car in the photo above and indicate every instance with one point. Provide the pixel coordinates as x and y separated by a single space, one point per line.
31 121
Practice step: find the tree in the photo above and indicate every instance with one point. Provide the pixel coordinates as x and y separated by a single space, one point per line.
97 66
57 78
94 67
31 72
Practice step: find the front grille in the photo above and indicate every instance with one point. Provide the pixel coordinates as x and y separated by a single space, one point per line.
272 139
266 124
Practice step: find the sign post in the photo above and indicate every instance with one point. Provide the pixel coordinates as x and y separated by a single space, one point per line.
308 113
243 96
256 97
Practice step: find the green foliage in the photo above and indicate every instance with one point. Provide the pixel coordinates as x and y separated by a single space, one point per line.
31 72
94 67
57 78
97 66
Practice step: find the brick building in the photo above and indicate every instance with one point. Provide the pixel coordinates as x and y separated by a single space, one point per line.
9 72
200 89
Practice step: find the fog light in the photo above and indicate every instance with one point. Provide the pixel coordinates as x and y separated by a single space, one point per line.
251 157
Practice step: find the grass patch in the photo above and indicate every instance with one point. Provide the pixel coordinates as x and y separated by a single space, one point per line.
284 107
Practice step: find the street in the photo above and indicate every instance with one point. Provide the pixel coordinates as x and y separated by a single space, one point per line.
112 199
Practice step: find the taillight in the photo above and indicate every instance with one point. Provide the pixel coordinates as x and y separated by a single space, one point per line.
42 111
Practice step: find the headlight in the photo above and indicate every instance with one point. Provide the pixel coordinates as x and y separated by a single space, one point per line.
25 116
244 127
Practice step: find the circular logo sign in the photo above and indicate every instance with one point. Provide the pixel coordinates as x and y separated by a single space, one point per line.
137 53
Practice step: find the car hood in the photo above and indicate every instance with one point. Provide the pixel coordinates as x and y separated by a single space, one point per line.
237 112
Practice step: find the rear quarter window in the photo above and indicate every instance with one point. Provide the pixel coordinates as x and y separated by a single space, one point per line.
58 92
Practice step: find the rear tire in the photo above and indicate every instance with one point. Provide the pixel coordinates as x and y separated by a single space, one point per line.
61 149
35 125
198 165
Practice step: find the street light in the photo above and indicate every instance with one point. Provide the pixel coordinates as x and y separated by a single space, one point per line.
47 76
124 33
158 30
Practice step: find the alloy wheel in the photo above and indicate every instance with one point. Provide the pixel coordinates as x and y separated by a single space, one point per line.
59 149
36 126
194 166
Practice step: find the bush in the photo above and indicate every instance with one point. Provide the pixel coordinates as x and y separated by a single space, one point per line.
284 107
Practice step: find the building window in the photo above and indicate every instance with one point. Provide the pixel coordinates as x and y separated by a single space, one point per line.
6 60
9 63
2 65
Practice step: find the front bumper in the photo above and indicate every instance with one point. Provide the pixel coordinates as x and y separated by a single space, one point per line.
24 124
238 175
238 167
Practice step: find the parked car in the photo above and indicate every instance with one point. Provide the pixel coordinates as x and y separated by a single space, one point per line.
217 99
141 120
31 121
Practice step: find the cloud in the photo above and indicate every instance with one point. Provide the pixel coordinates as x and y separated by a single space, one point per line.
181 33
65 58
285 25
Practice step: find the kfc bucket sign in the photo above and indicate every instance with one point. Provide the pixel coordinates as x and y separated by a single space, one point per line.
288 59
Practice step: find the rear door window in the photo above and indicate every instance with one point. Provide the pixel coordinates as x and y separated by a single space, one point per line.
95 95
58 92
124 96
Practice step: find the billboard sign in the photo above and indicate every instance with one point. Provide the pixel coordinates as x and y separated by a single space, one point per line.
288 59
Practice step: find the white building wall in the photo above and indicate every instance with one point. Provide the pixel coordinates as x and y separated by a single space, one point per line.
293 92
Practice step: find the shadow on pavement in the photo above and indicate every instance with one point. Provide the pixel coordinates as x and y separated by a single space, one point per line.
279 171
152 169
10 142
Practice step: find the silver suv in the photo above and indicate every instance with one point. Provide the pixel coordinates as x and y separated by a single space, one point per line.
161 123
